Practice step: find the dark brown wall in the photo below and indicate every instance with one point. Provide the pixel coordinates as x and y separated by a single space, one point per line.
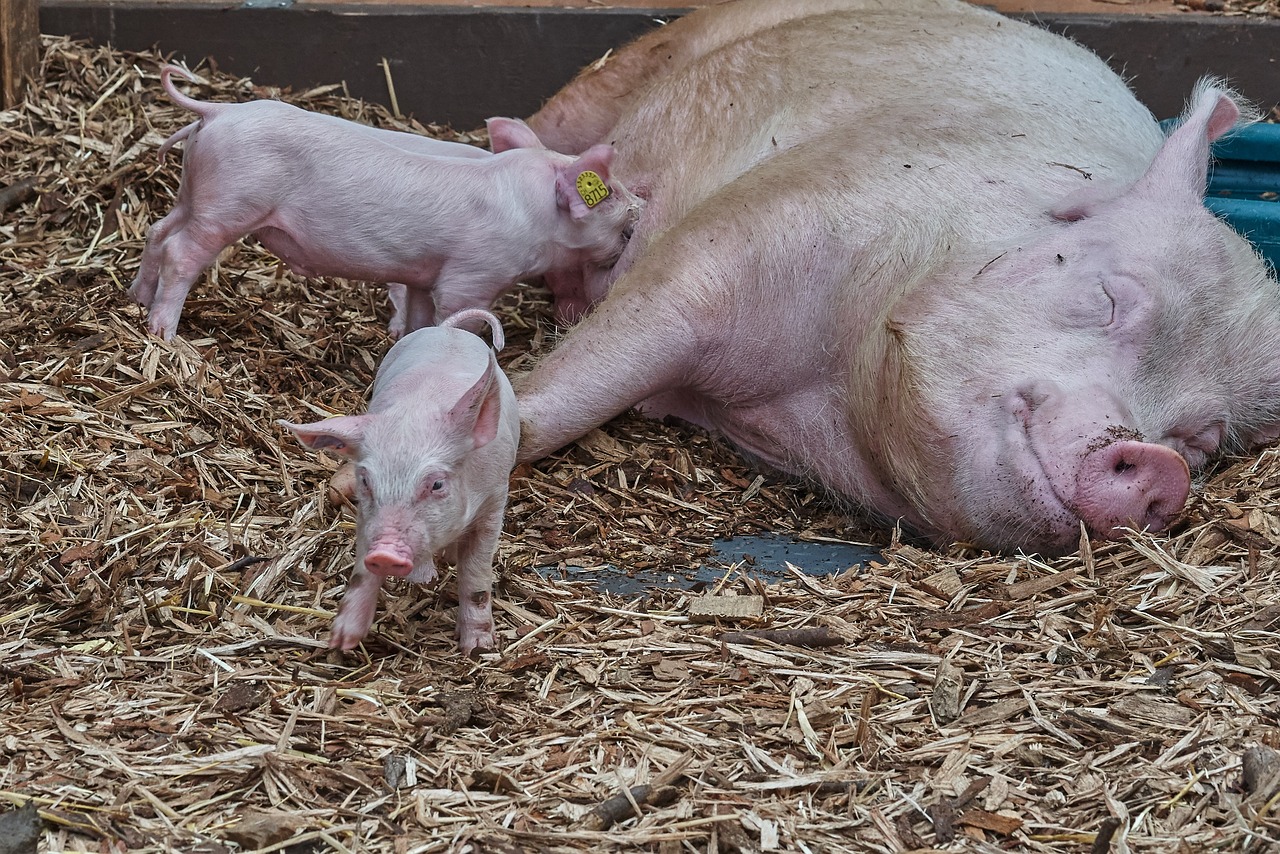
459 65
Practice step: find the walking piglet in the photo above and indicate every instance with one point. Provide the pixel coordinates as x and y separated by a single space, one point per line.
432 457
331 197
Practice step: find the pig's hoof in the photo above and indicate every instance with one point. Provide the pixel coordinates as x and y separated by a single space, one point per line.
342 486
343 641
476 643
422 575
162 330
346 635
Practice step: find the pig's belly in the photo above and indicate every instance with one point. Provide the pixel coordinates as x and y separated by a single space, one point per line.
804 433
774 430
307 260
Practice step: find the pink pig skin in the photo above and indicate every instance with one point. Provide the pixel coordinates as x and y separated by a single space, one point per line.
939 262
432 457
334 198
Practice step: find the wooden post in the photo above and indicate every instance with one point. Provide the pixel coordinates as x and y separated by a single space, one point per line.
19 48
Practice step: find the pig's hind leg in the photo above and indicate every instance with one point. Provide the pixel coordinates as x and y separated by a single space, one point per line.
143 289
184 254
416 310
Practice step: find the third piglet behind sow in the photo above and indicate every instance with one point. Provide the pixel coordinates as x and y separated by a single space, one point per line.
331 198
432 459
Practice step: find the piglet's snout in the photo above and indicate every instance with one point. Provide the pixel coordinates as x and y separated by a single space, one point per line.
1131 484
385 559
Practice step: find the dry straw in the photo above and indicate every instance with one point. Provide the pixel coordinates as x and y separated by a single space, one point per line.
170 562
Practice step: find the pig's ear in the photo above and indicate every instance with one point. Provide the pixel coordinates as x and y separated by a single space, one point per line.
479 410
1182 163
341 435
506 134
584 182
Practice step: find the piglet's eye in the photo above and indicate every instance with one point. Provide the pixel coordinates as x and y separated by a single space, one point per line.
434 485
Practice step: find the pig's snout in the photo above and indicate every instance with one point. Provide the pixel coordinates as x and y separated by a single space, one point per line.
385 560
1131 484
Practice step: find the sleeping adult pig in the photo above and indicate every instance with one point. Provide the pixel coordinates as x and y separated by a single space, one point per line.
336 198
432 459
938 261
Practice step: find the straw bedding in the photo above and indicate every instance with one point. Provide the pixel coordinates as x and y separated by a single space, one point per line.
171 562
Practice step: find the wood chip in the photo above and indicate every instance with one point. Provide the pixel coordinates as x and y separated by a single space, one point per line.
258 830
948 686
708 609
815 636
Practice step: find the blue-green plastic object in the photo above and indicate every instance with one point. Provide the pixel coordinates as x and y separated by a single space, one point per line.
1244 184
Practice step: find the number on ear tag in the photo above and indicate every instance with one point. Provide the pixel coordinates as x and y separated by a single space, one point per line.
591 188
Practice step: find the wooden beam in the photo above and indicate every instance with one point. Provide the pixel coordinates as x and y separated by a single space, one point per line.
19 48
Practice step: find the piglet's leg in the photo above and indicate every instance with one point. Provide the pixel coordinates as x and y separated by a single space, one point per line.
143 289
417 311
398 295
455 292
184 255
475 583
355 614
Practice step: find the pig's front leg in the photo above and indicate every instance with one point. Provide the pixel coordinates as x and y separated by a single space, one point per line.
475 553
397 294
636 344
355 614
456 291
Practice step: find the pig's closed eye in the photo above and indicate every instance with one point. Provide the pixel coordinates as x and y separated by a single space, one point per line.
1091 303
1125 303
1111 310
362 483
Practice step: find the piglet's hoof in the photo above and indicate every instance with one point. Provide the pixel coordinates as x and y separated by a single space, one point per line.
342 486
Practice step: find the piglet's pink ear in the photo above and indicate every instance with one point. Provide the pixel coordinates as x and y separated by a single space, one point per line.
506 134
583 183
480 408
342 434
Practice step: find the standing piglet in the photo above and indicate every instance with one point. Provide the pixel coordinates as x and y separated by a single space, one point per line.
432 456
331 198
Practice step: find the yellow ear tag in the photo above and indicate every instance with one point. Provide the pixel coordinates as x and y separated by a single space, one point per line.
591 188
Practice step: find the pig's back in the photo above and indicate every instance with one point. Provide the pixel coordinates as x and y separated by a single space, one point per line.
430 364
872 93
